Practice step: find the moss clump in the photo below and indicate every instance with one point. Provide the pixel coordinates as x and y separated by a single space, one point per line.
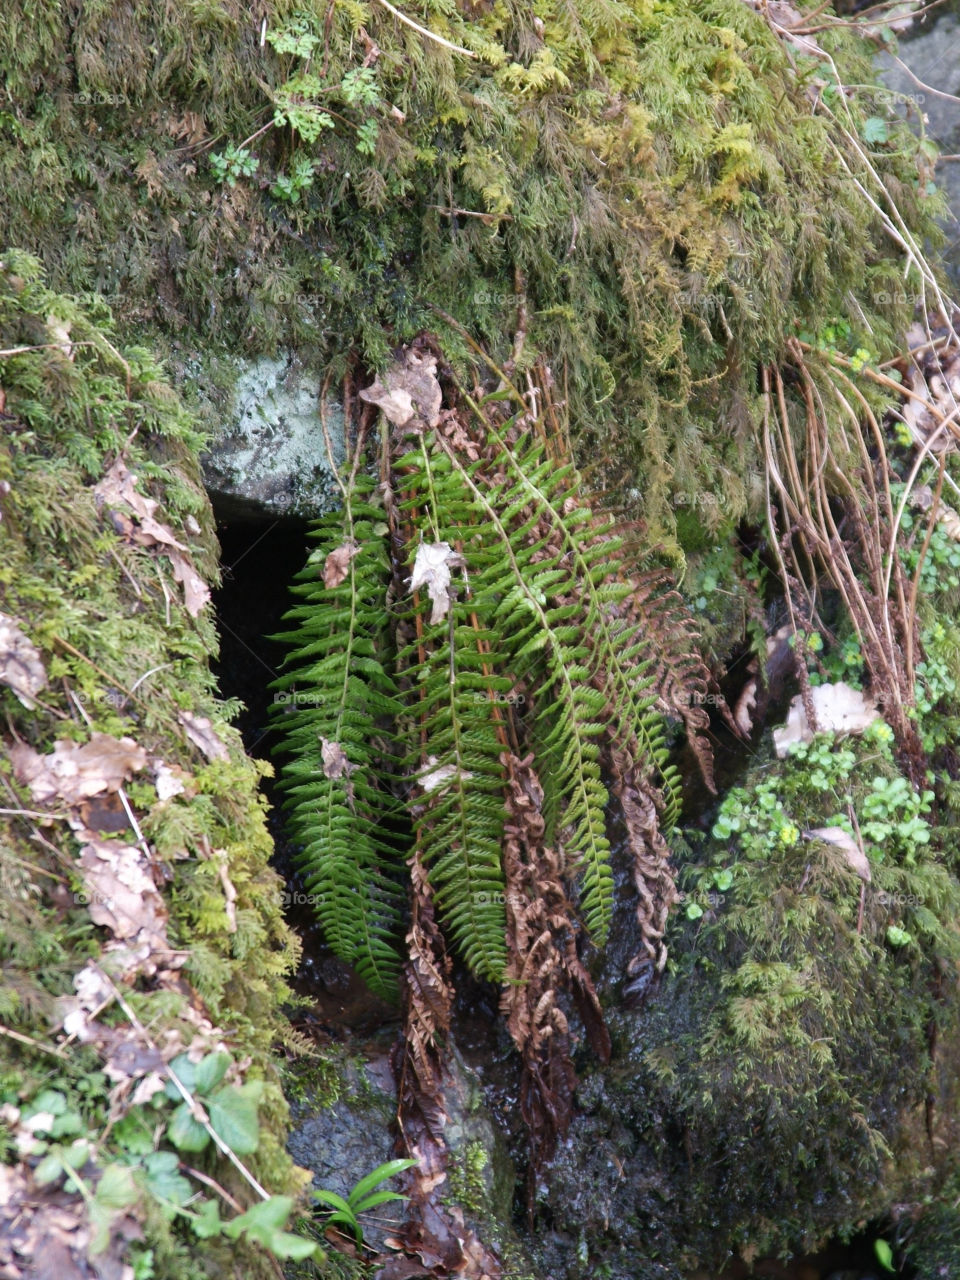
657 194
782 1086
95 595
934 1244
465 1178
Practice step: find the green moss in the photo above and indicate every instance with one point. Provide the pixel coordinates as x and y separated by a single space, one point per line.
465 1178
663 183
777 1091
123 656
934 1243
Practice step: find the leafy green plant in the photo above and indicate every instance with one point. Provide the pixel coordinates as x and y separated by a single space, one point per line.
288 187
410 760
71 1151
232 164
533 612
364 1197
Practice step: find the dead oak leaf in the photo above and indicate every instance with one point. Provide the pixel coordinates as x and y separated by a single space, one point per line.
408 390
431 569
118 486
73 773
123 896
337 564
335 762
21 667
200 732
435 778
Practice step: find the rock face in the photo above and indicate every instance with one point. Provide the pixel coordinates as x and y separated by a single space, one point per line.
930 51
343 1127
269 457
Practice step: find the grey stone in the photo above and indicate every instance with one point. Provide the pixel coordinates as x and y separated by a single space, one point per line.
269 458
931 51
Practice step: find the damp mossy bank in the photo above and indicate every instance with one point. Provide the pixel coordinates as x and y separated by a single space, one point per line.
139 913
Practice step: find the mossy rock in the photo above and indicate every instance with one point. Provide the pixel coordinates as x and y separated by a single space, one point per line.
796 1075
934 1244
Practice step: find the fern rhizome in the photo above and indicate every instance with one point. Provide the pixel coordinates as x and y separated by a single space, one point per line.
472 668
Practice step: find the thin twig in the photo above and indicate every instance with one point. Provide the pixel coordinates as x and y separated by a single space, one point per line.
447 44
29 1040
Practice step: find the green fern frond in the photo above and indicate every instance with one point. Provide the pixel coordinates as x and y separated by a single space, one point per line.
553 655
453 673
338 695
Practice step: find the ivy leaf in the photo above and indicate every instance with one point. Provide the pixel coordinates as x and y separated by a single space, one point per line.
875 130
185 1132
208 1222
233 1116
164 1179
263 1224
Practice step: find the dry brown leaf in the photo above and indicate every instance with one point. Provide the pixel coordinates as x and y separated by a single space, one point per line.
435 778
72 773
922 497
229 892
335 762
104 813
168 781
337 564
149 173
21 667
409 390
200 732
123 896
58 332
855 857
118 486
431 569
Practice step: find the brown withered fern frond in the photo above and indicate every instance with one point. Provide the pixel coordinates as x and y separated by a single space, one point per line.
828 472
432 1231
652 871
543 964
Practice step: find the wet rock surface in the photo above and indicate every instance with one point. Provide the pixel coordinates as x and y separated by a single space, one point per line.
930 50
